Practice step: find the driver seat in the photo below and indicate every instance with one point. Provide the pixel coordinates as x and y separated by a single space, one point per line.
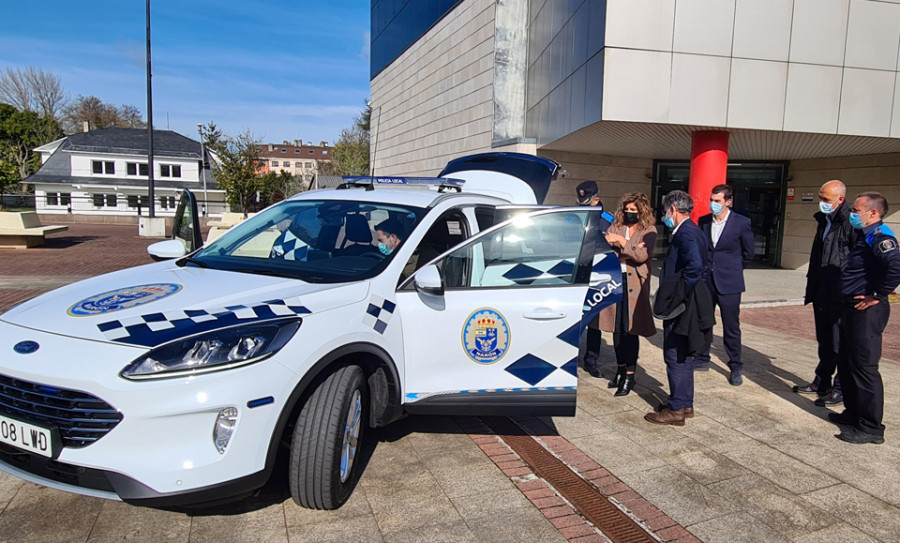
357 230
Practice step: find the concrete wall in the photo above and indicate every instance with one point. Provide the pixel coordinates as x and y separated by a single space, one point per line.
821 66
860 173
435 102
615 176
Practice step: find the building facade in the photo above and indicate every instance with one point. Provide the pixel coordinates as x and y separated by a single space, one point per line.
105 172
796 92
294 158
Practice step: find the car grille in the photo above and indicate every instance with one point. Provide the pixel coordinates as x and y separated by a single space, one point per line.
80 417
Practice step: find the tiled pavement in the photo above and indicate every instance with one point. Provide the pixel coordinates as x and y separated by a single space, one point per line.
757 463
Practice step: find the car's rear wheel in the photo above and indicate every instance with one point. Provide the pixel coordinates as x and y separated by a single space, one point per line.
326 441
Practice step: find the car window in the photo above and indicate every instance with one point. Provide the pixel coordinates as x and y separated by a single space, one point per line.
531 250
314 240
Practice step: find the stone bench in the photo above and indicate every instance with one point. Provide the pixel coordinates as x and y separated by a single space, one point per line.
228 220
23 229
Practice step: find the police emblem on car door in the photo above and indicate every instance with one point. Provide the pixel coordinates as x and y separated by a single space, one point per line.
493 327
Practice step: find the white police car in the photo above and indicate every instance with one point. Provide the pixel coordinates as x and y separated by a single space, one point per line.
178 382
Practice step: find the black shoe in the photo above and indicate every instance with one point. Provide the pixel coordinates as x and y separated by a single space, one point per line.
842 419
858 437
625 385
832 398
811 388
619 376
702 366
735 379
592 370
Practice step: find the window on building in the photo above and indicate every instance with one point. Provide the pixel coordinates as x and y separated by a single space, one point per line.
310 151
283 150
169 170
167 202
103 167
105 200
324 151
65 199
137 200
296 150
287 164
135 168
58 198
309 165
274 163
52 198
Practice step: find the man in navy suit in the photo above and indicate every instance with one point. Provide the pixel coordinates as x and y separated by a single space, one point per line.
730 245
687 255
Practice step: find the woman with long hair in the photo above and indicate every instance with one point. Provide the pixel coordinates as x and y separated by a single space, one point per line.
633 237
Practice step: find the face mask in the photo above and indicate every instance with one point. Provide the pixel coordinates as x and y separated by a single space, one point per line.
668 221
384 249
825 208
629 217
855 220
716 208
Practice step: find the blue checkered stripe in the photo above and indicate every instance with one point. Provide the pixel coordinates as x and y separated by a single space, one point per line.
379 313
558 354
549 272
423 395
289 247
155 329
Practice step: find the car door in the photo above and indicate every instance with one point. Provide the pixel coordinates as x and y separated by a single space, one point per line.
493 326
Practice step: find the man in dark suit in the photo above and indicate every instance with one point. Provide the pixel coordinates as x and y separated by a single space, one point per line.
587 195
686 260
730 245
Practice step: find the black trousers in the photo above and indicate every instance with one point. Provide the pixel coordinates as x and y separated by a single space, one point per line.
625 344
858 365
828 336
593 342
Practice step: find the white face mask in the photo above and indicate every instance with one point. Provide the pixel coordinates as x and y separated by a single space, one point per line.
826 208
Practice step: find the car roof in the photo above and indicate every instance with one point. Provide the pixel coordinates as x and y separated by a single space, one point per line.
413 196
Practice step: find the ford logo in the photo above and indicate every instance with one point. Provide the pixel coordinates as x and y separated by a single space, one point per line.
26 347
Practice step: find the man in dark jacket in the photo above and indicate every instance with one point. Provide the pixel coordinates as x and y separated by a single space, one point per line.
827 259
687 256
731 248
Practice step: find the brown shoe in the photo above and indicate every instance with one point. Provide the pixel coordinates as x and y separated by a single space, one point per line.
688 411
666 416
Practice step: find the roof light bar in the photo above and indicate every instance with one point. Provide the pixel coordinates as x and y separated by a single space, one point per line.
370 182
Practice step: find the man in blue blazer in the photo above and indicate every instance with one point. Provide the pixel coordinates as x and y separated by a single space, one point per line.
687 257
730 245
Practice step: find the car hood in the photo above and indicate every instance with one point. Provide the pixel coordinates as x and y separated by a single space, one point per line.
157 303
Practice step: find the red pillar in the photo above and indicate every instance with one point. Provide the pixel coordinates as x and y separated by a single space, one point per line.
709 165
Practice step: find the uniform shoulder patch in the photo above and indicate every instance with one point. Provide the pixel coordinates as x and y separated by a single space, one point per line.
887 245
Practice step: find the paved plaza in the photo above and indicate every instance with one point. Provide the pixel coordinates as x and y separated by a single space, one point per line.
758 463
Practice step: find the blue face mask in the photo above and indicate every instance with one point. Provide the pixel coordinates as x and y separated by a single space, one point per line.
716 208
855 220
825 208
384 250
669 221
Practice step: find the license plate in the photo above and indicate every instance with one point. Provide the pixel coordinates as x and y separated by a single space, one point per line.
26 436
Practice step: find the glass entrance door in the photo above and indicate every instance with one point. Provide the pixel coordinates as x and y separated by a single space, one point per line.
758 194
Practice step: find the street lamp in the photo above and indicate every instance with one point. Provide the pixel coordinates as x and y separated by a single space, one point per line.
203 168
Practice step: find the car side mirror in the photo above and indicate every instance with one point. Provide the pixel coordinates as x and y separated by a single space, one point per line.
428 281
166 250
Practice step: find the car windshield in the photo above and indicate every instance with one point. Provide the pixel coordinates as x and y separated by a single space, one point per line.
318 241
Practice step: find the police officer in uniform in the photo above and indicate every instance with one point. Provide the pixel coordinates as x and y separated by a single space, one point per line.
587 195
871 274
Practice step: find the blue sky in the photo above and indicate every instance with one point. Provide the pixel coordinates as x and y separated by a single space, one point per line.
283 70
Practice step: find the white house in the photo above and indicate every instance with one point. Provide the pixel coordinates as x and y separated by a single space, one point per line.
105 172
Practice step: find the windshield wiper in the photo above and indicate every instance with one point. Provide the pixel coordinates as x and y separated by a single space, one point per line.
192 260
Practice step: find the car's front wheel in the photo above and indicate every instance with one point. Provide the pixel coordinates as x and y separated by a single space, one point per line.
327 439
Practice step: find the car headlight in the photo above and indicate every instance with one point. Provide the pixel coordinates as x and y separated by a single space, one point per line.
217 350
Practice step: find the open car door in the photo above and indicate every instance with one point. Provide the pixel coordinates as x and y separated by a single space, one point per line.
493 326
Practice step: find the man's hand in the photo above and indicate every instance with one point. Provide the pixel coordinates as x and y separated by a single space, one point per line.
865 302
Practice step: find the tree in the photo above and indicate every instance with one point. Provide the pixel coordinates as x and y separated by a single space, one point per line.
33 90
20 133
99 114
238 173
350 154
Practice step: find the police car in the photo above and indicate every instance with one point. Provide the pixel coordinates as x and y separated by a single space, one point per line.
298 330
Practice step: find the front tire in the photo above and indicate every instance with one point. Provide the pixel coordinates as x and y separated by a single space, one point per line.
326 442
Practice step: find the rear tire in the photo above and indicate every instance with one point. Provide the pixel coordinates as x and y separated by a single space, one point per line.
327 438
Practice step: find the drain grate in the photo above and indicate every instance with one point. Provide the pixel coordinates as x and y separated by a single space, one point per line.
587 500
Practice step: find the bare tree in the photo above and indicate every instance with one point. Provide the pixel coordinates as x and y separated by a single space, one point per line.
98 114
33 89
